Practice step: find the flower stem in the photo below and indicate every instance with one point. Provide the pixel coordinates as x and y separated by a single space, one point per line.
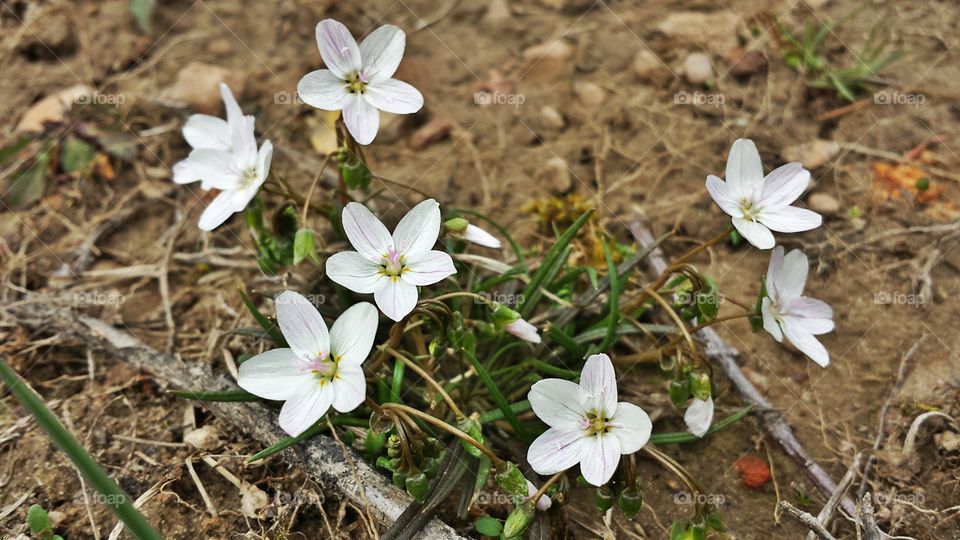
543 489
313 186
426 376
436 422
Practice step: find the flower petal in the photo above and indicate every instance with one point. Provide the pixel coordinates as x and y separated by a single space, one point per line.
556 450
790 219
699 416
302 325
362 118
600 458
393 96
352 334
784 185
543 503
791 277
557 403
755 233
775 272
744 170
350 388
633 427
811 309
308 404
770 323
805 342
214 167
396 298
323 89
264 159
274 374
220 209
428 267
523 330
205 131
338 48
354 271
419 229
183 173
242 141
365 232
381 52
480 237
721 194
598 385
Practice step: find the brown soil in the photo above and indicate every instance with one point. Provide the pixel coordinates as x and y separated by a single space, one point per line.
637 150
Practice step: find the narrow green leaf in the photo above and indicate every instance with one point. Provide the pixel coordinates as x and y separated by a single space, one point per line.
496 394
264 322
119 502
537 279
613 310
310 433
225 395
683 437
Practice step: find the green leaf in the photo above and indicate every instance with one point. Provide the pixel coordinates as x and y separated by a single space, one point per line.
75 156
261 319
418 485
496 394
142 11
304 247
39 520
683 437
119 502
13 148
225 395
356 174
488 526
537 279
311 432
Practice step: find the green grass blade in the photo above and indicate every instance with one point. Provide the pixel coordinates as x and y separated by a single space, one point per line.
225 395
565 341
683 437
310 433
614 306
397 383
496 394
551 369
114 497
497 414
264 322
537 279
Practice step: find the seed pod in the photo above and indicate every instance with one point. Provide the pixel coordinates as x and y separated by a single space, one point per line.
518 520
631 499
511 479
603 498
418 485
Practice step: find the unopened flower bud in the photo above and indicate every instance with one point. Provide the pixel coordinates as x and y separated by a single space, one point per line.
518 520
456 225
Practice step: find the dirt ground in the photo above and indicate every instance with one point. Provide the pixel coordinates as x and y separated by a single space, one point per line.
586 115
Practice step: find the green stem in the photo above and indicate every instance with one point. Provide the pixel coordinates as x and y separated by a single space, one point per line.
118 501
496 394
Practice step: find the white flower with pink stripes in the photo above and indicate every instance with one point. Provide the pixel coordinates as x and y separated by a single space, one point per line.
391 266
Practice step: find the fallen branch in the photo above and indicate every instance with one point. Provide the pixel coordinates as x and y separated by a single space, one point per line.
321 457
808 520
727 357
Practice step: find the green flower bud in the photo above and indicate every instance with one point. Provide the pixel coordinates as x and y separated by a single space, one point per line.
456 225
418 485
519 519
699 384
502 315
603 498
355 173
485 329
400 478
304 247
631 499
679 393
471 427
509 477
374 443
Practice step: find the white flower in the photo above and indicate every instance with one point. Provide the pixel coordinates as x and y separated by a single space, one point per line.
319 369
479 236
699 416
391 267
587 424
224 157
543 503
786 312
358 79
760 204
523 330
